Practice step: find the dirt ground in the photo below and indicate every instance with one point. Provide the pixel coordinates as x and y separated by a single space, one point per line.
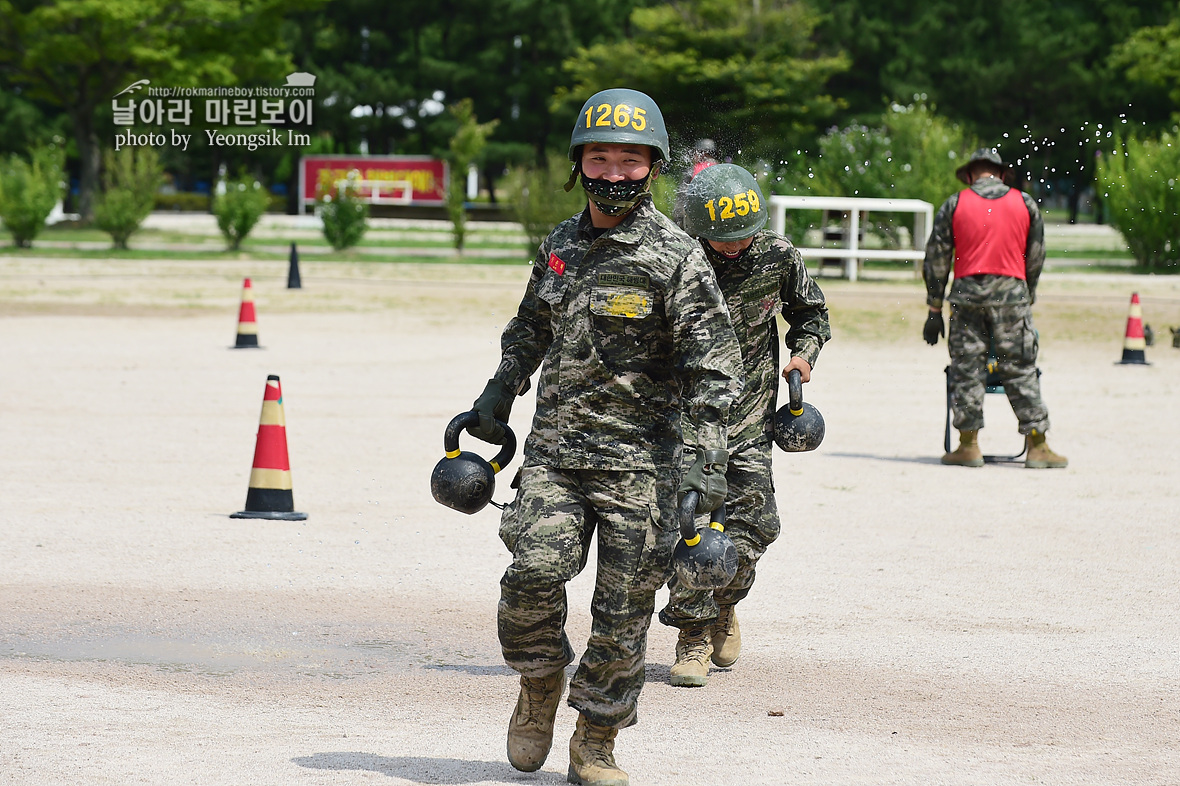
915 623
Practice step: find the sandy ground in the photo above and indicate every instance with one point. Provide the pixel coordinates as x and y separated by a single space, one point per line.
915 624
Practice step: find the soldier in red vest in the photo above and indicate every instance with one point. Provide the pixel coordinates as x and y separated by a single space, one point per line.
994 237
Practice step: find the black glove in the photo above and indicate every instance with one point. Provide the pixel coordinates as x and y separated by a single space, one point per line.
495 403
933 328
706 476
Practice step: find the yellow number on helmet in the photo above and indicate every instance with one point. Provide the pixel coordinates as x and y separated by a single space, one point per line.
743 206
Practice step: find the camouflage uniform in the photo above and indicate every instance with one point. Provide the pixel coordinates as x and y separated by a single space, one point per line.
986 308
622 325
768 279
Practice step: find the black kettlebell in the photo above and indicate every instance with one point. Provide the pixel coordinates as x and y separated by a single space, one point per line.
703 559
465 481
798 426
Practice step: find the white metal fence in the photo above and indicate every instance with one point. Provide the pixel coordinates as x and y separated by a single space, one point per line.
857 208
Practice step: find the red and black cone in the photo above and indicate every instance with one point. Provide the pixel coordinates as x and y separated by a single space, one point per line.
269 495
1135 344
247 322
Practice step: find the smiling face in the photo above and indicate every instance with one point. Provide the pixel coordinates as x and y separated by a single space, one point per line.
731 248
615 163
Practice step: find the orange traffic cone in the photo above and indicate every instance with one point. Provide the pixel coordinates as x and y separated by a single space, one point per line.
247 326
1134 344
269 495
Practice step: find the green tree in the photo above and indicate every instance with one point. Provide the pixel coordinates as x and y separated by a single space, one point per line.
130 182
343 213
29 190
747 75
465 149
1138 182
1030 76
539 201
238 209
391 66
78 54
1151 55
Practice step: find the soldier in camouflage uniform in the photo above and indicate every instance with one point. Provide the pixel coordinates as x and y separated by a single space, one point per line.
761 275
994 235
624 317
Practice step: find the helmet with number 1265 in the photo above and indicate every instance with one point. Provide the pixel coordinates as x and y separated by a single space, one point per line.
620 116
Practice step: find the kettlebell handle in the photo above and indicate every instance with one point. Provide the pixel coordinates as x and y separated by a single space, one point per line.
688 512
471 418
795 389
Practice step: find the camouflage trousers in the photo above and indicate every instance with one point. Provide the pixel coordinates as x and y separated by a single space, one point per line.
548 529
751 522
972 331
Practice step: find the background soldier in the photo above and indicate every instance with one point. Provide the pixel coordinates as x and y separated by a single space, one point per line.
624 316
995 236
761 275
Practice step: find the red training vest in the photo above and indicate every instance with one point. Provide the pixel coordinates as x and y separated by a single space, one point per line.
990 234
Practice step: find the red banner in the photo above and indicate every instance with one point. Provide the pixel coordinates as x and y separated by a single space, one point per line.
381 180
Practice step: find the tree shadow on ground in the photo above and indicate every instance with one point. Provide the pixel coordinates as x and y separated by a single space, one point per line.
424 769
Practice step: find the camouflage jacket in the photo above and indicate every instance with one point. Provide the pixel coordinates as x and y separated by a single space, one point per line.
767 280
629 329
981 290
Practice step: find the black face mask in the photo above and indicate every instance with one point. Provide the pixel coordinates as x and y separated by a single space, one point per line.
613 199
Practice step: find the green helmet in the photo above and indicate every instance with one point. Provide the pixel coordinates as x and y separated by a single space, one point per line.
620 116
724 203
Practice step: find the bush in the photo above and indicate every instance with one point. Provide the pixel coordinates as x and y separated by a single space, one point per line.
129 187
912 154
1138 185
183 201
344 215
538 199
466 147
29 190
239 209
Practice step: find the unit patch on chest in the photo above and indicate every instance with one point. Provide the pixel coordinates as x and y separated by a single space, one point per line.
638 281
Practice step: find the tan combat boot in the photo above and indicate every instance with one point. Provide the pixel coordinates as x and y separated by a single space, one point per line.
592 756
726 638
1040 456
968 453
691 669
530 731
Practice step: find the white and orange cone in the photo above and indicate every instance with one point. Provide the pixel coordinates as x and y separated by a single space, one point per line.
269 495
1135 344
247 321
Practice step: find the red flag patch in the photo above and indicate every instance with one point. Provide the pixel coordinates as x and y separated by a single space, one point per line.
556 265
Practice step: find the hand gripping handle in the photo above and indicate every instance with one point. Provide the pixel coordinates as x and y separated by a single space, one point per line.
795 389
688 512
471 418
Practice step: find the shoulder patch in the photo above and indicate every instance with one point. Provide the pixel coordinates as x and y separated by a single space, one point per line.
556 264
